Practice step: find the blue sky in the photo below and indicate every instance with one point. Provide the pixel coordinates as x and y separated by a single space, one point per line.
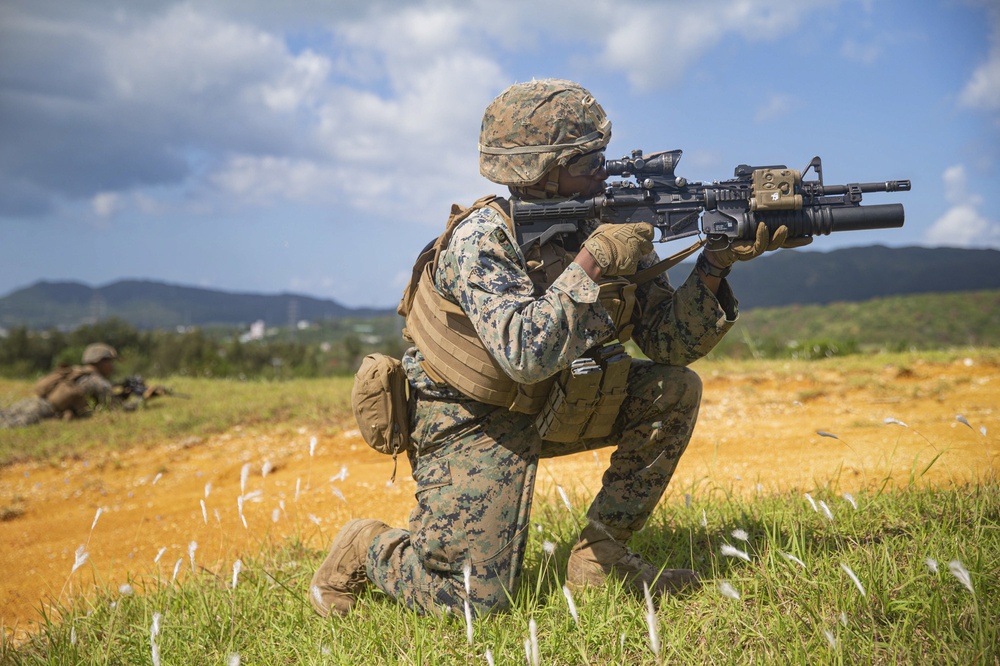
315 147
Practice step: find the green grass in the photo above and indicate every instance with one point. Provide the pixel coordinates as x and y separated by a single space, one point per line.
212 406
786 613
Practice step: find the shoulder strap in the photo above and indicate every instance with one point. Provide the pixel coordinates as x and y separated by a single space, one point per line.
432 252
648 274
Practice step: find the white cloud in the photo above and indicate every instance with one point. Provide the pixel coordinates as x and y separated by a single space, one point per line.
982 91
774 107
962 225
212 100
655 44
106 204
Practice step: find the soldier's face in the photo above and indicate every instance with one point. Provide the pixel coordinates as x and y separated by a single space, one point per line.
105 367
583 175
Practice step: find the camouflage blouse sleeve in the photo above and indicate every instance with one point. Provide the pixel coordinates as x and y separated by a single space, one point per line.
679 326
99 391
531 337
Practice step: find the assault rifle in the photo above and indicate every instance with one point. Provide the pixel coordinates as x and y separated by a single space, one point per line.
727 210
136 385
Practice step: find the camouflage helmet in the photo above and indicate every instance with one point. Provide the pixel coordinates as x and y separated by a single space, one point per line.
98 352
532 127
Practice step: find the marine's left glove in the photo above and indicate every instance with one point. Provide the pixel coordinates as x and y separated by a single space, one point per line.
747 250
617 247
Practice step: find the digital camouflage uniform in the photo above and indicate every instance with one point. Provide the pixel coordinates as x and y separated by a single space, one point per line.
88 383
26 412
475 464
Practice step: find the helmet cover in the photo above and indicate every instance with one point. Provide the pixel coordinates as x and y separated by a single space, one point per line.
532 127
98 352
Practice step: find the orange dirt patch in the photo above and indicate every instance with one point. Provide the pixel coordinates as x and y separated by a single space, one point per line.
757 432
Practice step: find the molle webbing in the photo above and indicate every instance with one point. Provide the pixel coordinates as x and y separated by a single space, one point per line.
454 354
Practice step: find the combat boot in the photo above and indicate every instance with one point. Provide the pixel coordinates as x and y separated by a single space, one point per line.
598 557
342 576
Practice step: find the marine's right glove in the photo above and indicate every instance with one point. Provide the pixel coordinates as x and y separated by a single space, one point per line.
617 247
747 250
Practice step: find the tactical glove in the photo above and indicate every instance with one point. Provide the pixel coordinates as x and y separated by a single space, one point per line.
617 247
746 250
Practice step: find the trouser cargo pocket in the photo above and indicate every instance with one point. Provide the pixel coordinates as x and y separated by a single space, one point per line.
437 526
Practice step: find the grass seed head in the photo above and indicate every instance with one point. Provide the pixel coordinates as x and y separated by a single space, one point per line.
857 583
792 558
727 590
826 510
572 605
533 639
730 551
316 594
79 559
651 624
565 499
962 574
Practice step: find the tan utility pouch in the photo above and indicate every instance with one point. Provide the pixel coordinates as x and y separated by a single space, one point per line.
586 397
380 399
615 363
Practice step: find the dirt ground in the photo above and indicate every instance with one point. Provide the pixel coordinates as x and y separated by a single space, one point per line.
147 514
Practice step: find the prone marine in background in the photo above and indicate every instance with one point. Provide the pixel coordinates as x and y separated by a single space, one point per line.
72 392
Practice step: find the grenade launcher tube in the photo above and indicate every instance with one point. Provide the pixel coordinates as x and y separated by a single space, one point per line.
815 221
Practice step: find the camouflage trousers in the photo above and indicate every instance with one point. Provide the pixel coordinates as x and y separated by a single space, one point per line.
26 412
475 470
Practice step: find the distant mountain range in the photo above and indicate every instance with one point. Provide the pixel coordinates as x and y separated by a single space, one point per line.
779 279
858 274
151 305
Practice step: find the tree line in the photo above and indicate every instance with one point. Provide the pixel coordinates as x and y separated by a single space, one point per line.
25 353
